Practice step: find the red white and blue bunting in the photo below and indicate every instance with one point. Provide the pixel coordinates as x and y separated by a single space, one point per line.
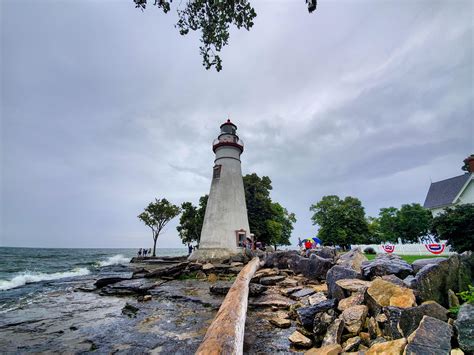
435 248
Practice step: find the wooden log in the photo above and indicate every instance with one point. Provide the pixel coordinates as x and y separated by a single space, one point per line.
225 335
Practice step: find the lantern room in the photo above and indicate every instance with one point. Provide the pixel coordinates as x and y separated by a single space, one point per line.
228 137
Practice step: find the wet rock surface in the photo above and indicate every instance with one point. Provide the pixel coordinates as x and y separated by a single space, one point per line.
386 264
431 337
465 327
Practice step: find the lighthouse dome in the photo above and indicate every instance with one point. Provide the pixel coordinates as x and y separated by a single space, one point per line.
228 137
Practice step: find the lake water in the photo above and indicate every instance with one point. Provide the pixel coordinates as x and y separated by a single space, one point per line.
26 272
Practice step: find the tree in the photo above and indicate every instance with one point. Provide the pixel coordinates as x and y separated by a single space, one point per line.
456 225
341 222
191 221
270 222
388 222
259 205
213 18
413 223
156 215
280 226
375 235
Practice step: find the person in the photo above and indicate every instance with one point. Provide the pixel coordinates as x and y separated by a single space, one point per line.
300 243
307 246
190 248
149 251
140 252
144 252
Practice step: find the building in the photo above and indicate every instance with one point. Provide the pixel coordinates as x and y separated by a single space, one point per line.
454 191
226 225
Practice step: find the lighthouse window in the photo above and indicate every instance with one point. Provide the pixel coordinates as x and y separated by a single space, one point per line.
217 172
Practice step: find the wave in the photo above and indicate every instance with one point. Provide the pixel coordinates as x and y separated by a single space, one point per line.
114 260
28 277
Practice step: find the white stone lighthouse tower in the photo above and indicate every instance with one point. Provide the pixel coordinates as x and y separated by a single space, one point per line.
226 223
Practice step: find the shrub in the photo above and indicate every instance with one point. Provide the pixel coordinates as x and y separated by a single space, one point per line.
369 250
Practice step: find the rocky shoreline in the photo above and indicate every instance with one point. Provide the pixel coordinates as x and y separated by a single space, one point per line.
324 304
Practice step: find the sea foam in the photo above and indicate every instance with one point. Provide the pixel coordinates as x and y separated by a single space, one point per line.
114 260
30 277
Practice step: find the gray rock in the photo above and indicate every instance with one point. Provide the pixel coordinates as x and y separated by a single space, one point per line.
386 264
302 293
326 252
420 263
334 333
220 288
313 267
352 259
280 259
271 280
321 323
256 290
393 279
306 314
126 287
409 281
338 273
434 280
352 344
401 322
431 337
109 280
465 327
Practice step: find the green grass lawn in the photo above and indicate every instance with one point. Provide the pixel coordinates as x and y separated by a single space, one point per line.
408 258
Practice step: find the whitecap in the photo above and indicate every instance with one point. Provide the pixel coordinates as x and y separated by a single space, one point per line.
28 277
114 260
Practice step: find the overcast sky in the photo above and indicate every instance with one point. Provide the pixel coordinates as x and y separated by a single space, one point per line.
104 107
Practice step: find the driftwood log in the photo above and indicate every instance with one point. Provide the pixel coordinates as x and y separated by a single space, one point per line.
226 333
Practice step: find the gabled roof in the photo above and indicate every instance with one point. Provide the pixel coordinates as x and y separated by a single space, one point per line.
443 192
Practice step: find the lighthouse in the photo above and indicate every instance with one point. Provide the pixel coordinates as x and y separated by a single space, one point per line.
226 225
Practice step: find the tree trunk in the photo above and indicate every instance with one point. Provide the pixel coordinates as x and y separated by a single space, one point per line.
226 333
154 245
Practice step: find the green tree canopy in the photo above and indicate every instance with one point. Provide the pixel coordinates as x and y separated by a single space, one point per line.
156 215
388 224
213 18
191 221
413 222
280 226
341 222
456 225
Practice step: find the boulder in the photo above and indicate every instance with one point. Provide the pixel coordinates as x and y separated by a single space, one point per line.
317 298
420 263
354 300
351 344
394 347
352 259
395 280
353 285
313 267
280 259
453 300
171 271
271 300
354 318
383 293
306 314
465 327
299 339
434 280
271 280
289 282
334 349
326 252
334 333
401 322
302 293
288 291
374 328
338 273
321 323
432 336
386 264
409 281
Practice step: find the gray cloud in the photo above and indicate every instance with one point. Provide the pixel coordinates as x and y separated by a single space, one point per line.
105 108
